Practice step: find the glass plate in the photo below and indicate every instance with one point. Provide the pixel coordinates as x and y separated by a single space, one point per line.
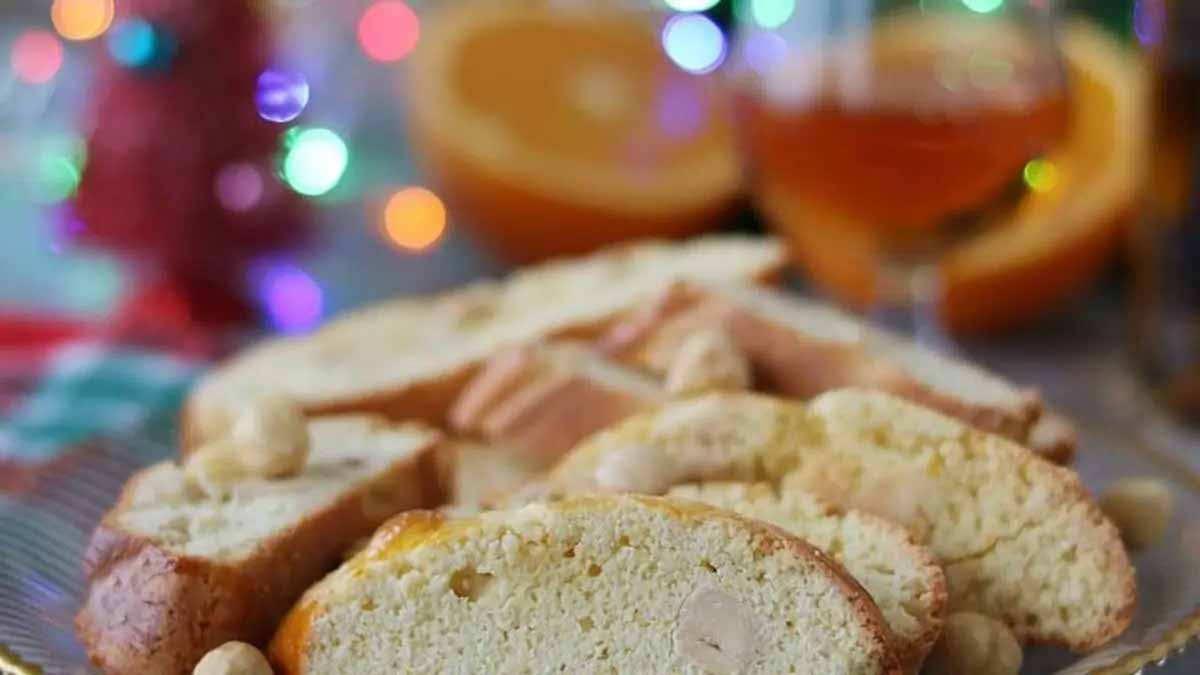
43 533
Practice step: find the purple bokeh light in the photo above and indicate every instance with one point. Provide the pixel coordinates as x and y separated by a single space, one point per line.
1149 20
281 95
65 228
292 300
764 50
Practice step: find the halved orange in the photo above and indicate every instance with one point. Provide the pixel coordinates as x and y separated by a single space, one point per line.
1057 241
553 128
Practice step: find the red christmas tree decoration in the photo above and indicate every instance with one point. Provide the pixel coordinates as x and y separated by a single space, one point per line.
180 166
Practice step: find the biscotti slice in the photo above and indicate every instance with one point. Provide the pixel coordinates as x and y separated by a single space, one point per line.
408 359
902 576
174 572
1020 538
800 348
484 472
605 584
545 398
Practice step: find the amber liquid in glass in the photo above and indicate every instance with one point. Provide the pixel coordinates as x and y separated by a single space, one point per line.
1166 307
913 155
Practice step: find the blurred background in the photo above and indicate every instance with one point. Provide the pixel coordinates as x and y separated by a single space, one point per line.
1010 179
179 175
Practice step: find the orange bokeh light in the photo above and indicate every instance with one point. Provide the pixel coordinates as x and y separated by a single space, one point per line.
388 30
81 19
36 56
414 218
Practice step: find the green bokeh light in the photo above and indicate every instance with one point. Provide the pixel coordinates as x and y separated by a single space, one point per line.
1041 175
983 6
56 168
691 5
772 13
316 160
57 178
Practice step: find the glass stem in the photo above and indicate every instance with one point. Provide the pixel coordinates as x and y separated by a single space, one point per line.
908 302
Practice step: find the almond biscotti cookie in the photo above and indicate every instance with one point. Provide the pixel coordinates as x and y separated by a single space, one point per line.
1020 539
615 584
902 576
800 348
178 568
409 358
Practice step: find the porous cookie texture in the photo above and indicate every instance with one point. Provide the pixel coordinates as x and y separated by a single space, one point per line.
408 358
1020 539
175 571
902 576
601 584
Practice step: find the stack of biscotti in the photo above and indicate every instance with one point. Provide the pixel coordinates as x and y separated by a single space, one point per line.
176 569
929 514
530 404
409 358
547 397
1019 538
800 348
608 584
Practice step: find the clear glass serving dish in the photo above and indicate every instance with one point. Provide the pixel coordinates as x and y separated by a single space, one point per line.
43 531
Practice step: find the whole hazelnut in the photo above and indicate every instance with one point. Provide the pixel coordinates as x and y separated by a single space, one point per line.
271 437
233 658
976 644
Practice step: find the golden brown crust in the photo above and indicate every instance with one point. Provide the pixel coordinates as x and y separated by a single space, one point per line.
149 609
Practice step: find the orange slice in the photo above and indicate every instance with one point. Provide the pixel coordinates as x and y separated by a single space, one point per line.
1057 241
557 128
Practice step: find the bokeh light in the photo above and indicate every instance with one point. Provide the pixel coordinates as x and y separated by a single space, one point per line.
136 43
691 5
1041 175
292 300
388 30
983 6
81 19
56 178
772 13
281 95
37 56
65 228
694 42
315 162
239 187
1149 20
764 50
414 218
